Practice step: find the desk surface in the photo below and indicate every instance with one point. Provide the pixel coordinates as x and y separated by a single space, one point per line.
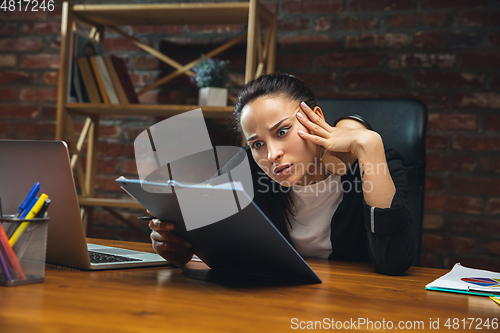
197 300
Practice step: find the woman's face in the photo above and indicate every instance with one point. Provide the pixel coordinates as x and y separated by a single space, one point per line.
270 128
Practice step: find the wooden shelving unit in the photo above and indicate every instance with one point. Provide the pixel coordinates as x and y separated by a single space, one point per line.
260 59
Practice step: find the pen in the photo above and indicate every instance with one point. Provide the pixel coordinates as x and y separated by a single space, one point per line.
1 211
29 208
26 202
43 210
2 262
11 256
146 218
495 299
36 208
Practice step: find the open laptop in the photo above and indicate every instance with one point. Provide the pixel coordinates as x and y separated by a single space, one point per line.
22 163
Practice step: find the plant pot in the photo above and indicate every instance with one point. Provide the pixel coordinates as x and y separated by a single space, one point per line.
211 96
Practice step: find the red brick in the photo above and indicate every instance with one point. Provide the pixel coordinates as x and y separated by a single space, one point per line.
322 23
18 111
411 20
485 163
121 44
495 39
496 165
369 5
270 5
474 225
51 78
451 4
318 79
8 29
433 183
374 80
129 167
474 185
342 23
481 59
22 16
476 143
491 122
100 233
346 94
432 101
349 60
308 42
107 131
389 40
454 203
428 39
115 149
57 12
106 165
472 19
214 28
8 60
107 184
42 60
477 100
311 6
448 244
436 142
42 28
139 79
492 248
145 62
7 94
20 45
440 162
294 60
17 77
158 29
447 79
171 97
422 60
495 83
490 264
493 206
453 121
36 131
134 236
433 222
5 130
48 112
41 95
429 259
293 25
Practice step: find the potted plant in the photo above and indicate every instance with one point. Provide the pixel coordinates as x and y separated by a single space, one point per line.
211 78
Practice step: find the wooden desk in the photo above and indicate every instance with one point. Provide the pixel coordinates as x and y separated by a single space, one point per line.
167 299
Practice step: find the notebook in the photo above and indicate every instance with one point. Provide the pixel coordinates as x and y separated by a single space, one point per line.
23 163
227 230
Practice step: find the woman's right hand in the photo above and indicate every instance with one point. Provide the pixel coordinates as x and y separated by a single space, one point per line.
171 247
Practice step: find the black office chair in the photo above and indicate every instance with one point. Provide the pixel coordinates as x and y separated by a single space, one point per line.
402 123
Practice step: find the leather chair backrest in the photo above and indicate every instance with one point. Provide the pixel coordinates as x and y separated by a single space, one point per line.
402 124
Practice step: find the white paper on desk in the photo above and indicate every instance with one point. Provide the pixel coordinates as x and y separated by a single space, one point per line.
454 279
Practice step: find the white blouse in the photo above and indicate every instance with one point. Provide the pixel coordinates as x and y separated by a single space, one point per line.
314 206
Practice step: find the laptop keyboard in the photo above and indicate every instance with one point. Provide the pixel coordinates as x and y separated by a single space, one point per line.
101 258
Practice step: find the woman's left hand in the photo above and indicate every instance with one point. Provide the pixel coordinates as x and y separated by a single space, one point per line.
338 139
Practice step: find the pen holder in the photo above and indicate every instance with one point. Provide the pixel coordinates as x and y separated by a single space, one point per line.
24 261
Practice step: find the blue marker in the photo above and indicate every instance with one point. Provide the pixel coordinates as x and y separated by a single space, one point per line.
29 198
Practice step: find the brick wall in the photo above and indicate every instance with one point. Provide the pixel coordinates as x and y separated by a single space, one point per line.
443 52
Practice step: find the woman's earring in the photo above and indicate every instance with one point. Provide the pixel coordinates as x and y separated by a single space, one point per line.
338 163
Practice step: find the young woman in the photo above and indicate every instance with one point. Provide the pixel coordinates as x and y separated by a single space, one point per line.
359 216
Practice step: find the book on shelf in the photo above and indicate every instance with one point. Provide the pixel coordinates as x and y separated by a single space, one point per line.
98 79
118 88
88 80
80 46
126 82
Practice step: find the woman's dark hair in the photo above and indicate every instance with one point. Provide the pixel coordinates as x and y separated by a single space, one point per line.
273 198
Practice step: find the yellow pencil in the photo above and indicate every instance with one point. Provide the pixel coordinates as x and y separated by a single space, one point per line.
495 299
19 231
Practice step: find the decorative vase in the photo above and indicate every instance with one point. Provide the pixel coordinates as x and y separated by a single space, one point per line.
211 96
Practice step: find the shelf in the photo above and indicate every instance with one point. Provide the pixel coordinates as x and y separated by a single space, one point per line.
156 14
89 109
105 202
